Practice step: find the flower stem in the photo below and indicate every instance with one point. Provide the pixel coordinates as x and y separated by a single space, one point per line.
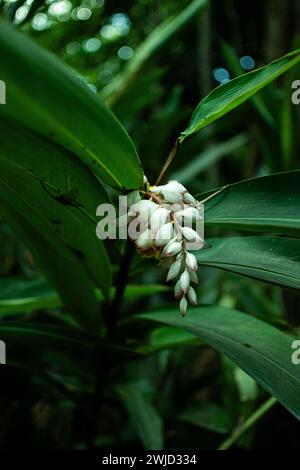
168 162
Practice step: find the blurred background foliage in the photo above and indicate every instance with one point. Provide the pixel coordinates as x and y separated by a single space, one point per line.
200 395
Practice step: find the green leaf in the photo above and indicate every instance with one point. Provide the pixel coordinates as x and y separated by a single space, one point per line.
259 349
144 417
247 387
29 304
33 338
232 60
57 194
208 416
65 273
49 98
266 204
167 337
154 44
271 259
226 97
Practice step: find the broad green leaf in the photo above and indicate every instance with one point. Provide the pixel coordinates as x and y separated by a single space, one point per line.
266 204
271 259
144 417
58 194
259 349
228 96
154 44
208 416
65 273
48 97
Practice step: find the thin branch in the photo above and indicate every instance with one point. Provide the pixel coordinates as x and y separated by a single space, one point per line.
250 421
168 162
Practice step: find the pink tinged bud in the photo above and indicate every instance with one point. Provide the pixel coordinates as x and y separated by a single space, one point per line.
145 240
167 246
174 270
191 262
189 199
183 306
158 219
192 237
164 234
193 277
184 281
177 290
192 296
173 249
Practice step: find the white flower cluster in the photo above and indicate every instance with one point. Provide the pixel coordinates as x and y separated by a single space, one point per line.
166 217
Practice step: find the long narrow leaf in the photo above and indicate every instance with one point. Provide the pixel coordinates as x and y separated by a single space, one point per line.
258 348
266 204
271 259
228 96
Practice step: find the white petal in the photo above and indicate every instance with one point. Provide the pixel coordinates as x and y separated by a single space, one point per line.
173 249
193 238
174 270
191 261
164 234
183 306
192 296
143 210
177 290
172 192
184 281
193 277
166 247
188 215
145 240
189 199
158 219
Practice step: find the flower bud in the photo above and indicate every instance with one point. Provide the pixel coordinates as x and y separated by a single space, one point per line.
189 199
174 270
184 281
172 192
191 261
143 210
173 249
144 241
192 237
183 306
192 296
188 215
193 277
164 234
145 179
177 290
158 219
